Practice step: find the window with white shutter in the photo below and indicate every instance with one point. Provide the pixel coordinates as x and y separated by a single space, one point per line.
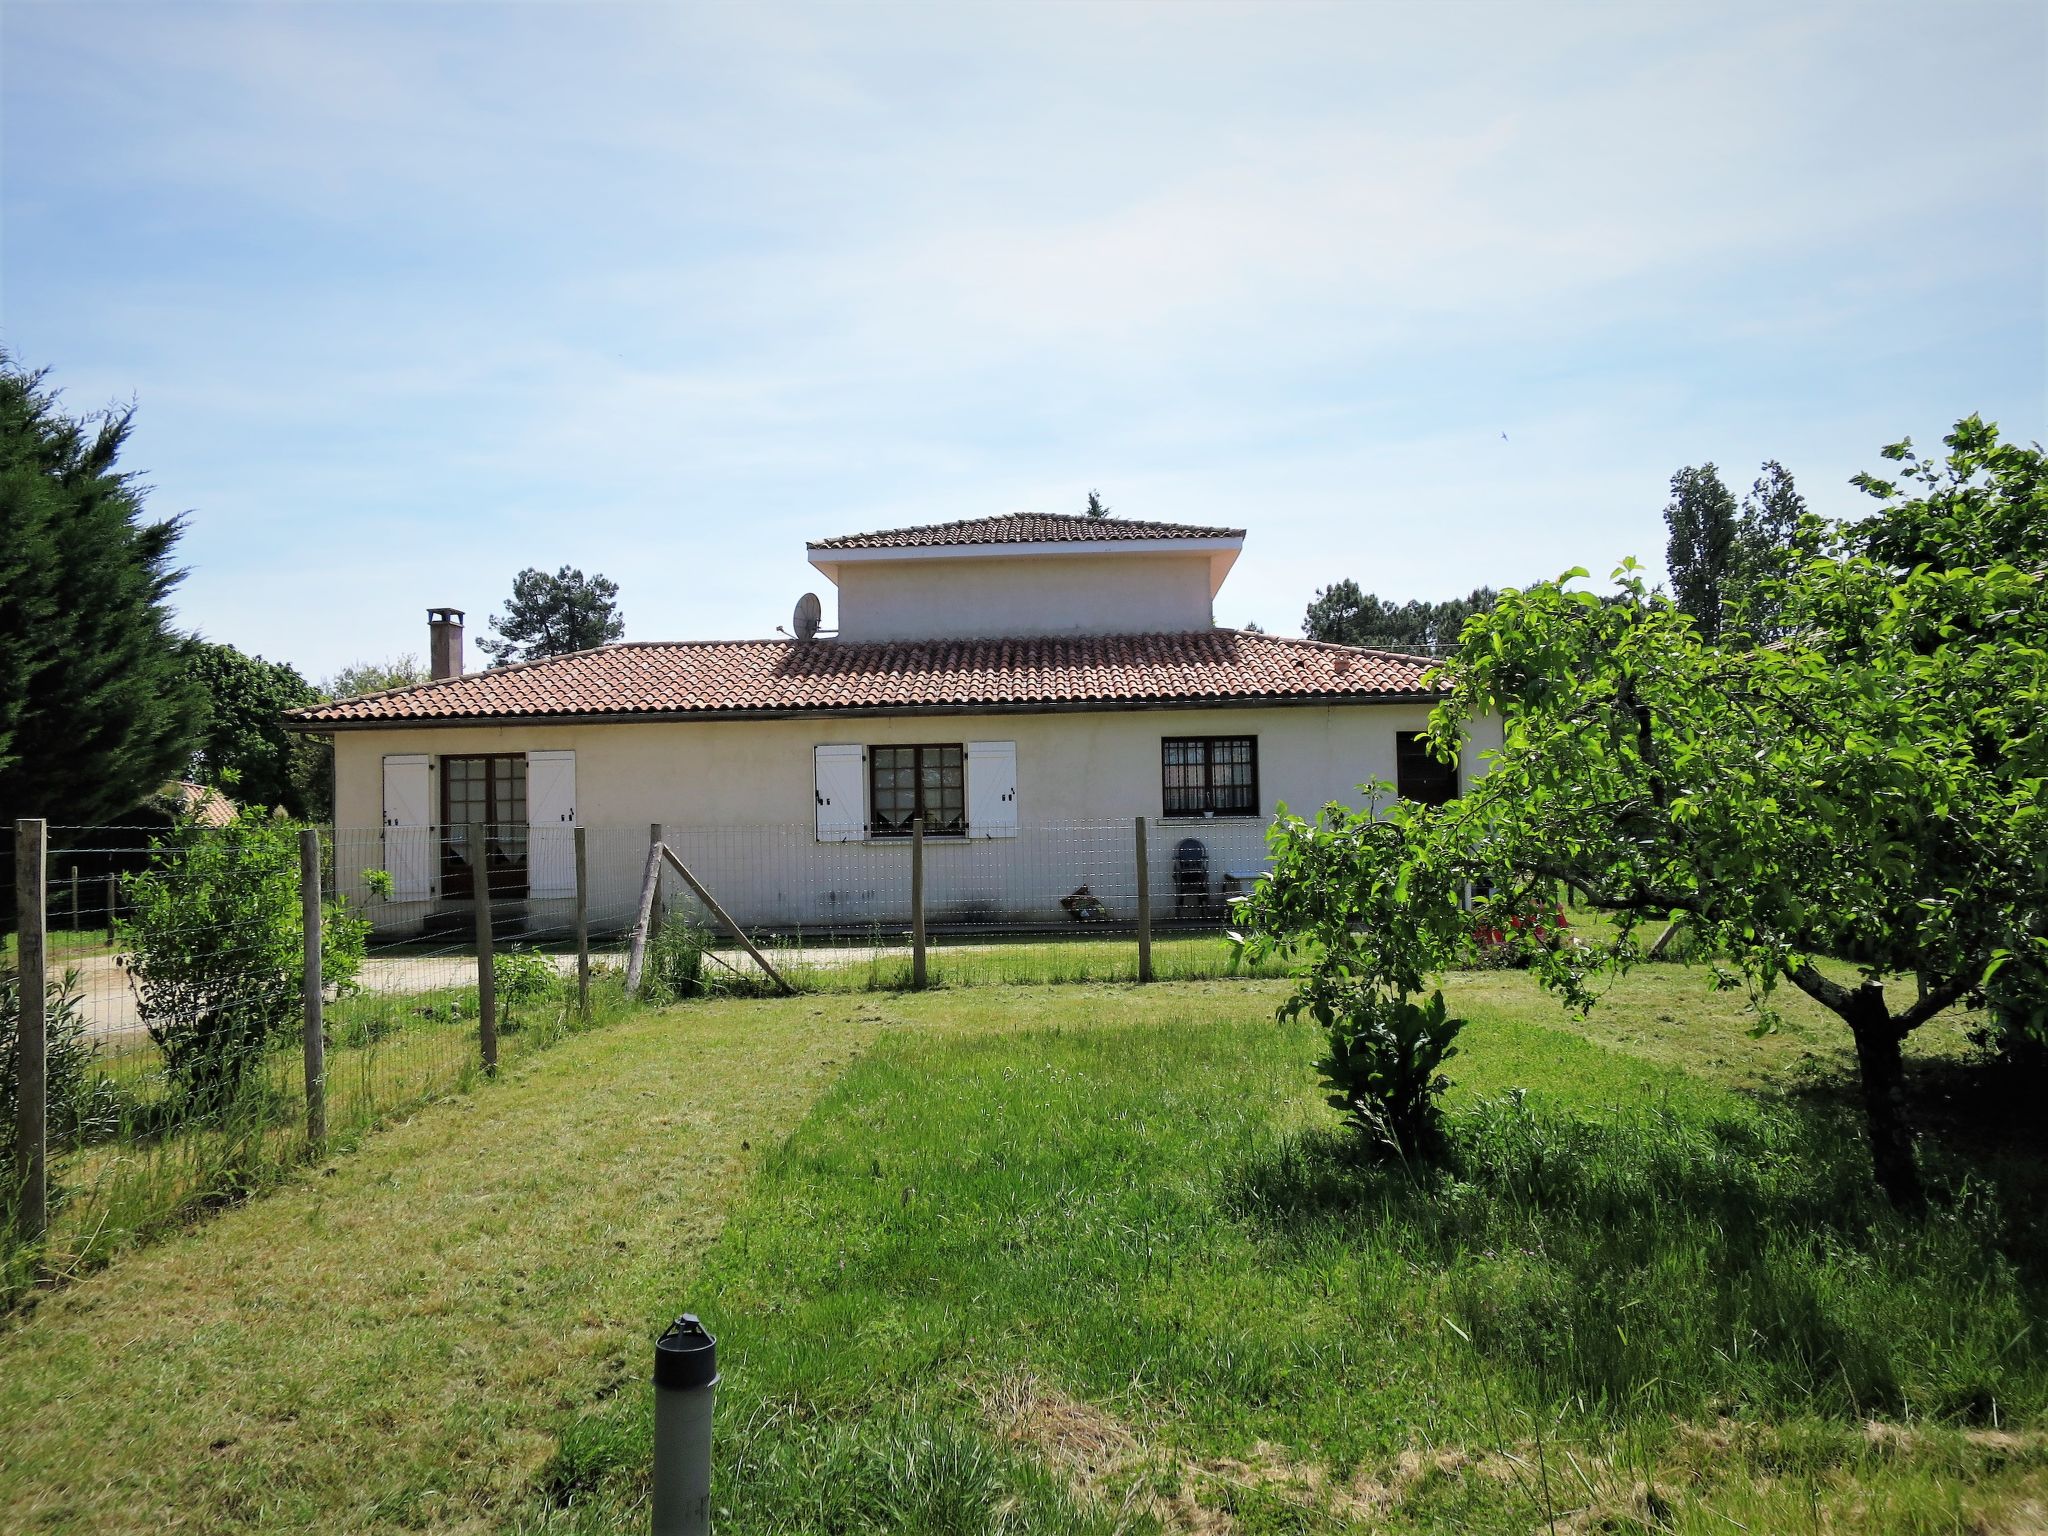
408 826
841 791
991 789
551 818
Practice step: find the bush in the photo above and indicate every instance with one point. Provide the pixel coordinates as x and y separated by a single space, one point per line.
523 977
217 944
68 1054
1382 1069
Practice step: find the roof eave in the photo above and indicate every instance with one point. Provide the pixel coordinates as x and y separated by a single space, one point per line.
875 711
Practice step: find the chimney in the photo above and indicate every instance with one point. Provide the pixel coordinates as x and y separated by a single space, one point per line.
444 642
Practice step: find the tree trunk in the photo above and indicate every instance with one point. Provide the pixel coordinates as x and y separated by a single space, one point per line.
1881 1064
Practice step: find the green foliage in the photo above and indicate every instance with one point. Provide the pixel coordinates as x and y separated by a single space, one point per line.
675 967
554 615
68 1052
1096 507
1382 1070
362 677
214 927
97 707
1728 566
1344 615
1703 545
1869 790
245 750
1343 900
524 978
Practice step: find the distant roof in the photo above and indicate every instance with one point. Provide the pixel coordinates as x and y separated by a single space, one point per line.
1024 528
745 678
201 803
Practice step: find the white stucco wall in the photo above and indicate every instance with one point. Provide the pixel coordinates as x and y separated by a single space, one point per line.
1023 595
737 799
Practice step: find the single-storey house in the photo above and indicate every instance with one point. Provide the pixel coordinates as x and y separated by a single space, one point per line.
1027 684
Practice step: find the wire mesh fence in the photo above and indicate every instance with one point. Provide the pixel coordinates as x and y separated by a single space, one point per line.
182 1071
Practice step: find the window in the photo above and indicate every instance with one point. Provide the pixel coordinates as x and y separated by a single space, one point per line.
907 782
1210 775
492 790
1420 776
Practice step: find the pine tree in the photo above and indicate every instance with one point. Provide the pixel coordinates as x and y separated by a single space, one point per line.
1096 507
97 708
554 615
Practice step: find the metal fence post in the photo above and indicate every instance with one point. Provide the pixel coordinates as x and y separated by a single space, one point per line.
113 904
486 965
31 1045
917 963
74 898
313 992
582 927
1144 907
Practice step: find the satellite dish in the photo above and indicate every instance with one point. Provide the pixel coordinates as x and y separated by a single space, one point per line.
809 614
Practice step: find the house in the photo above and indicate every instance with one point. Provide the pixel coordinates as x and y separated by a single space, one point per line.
1027 684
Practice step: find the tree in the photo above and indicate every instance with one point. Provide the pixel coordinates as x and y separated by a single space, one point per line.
1096 507
1702 550
1860 802
1727 564
554 615
244 749
97 705
218 945
1344 615
360 677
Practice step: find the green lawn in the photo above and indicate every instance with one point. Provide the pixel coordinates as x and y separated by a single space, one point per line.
1083 1259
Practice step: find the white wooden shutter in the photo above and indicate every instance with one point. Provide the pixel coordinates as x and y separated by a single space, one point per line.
409 827
551 823
991 789
842 796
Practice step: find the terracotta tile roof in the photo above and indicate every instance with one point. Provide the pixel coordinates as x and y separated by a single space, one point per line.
781 677
1024 528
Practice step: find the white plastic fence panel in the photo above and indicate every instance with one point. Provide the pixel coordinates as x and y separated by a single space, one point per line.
551 820
409 826
842 794
991 789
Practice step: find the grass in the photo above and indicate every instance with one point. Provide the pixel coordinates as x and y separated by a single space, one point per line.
1083 1259
146 1169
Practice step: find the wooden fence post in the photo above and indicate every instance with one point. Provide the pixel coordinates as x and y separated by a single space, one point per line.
486 966
650 887
1144 907
917 965
313 992
74 898
113 904
31 1045
582 927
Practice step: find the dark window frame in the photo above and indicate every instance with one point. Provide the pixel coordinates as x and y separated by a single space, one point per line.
1243 801
508 870
934 825
1418 775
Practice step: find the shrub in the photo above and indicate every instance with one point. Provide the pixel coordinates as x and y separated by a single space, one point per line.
1366 926
217 943
68 1053
1382 1068
523 977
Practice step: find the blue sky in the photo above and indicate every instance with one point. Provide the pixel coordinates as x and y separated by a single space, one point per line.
414 295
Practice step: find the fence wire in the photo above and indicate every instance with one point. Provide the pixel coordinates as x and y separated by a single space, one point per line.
164 949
